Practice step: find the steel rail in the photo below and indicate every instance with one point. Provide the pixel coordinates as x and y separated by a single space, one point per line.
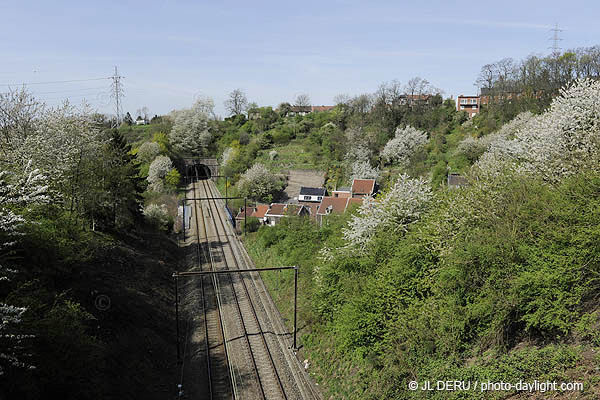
204 303
237 305
246 291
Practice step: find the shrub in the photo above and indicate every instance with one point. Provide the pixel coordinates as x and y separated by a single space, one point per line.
159 168
172 179
404 145
157 216
259 184
396 209
162 140
251 225
148 152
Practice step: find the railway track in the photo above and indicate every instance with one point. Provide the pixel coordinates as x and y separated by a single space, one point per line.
242 348
219 381
271 386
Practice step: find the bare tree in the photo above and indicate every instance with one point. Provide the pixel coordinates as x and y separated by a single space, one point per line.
237 103
342 98
487 77
417 86
145 113
389 94
302 100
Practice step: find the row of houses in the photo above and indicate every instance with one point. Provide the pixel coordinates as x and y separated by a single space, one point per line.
313 203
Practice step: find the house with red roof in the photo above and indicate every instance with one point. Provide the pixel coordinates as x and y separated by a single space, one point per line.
363 187
335 205
260 211
277 211
343 191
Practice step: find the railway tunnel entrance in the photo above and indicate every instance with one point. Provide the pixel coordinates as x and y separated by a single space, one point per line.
205 168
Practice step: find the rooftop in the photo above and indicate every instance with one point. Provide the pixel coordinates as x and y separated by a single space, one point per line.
276 209
311 191
335 205
363 186
261 210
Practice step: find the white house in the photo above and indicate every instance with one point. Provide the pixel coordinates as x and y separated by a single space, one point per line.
311 194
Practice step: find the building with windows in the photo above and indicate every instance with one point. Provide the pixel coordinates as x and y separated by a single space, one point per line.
470 104
311 194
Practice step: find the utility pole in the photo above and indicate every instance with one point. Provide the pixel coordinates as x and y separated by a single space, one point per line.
117 94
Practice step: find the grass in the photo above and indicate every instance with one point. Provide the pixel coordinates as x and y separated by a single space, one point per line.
290 156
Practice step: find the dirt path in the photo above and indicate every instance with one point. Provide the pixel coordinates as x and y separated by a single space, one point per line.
302 177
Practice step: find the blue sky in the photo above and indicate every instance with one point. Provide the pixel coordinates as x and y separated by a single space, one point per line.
171 51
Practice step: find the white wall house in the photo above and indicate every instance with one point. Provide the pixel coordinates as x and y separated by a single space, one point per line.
311 194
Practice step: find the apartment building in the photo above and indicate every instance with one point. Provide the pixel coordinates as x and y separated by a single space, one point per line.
470 104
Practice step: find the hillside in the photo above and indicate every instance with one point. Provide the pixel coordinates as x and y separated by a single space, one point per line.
494 282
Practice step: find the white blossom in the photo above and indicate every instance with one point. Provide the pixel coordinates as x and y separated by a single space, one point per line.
402 205
190 133
157 216
561 142
228 155
406 142
473 148
148 151
358 162
258 183
17 189
363 170
159 168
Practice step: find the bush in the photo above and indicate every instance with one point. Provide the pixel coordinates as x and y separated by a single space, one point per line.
259 184
159 169
251 225
157 216
281 138
162 140
172 179
404 145
148 152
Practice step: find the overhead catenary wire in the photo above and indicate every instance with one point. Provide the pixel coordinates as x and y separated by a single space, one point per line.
71 90
54 82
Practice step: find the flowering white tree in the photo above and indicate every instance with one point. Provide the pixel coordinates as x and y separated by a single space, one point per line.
473 148
363 170
358 162
191 132
159 168
148 151
406 142
65 145
561 142
157 216
259 184
396 209
228 155
20 114
18 190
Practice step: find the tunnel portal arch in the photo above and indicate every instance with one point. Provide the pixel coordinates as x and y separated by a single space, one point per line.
206 167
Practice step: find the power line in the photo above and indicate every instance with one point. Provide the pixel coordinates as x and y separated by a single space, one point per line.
70 90
53 82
